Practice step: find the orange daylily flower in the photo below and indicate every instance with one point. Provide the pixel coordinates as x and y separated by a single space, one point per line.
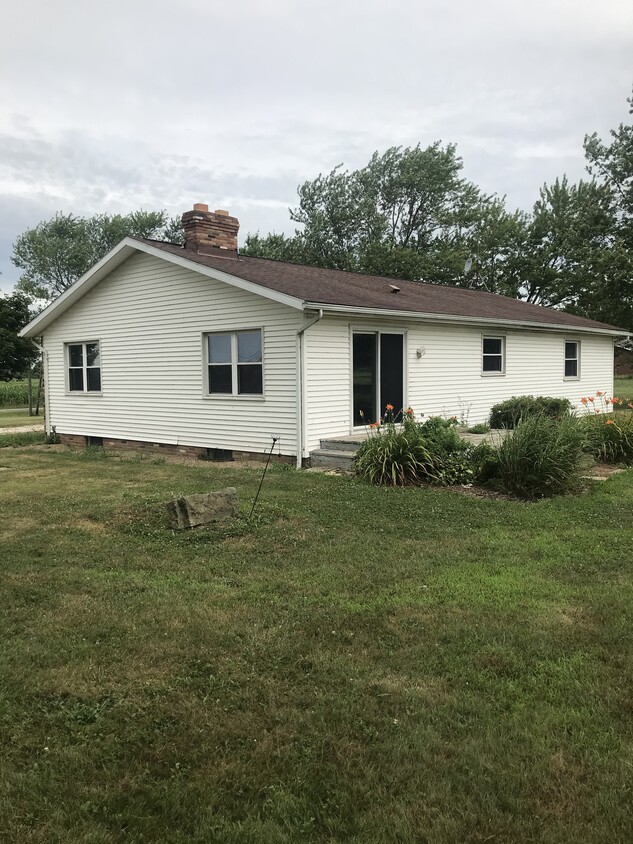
584 400
615 400
591 399
373 424
609 422
598 393
389 407
409 410
607 401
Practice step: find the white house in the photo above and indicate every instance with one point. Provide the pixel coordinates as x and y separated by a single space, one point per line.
200 349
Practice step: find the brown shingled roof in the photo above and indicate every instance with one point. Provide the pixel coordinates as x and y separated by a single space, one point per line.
355 290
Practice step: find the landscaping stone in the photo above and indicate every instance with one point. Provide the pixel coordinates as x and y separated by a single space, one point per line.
203 509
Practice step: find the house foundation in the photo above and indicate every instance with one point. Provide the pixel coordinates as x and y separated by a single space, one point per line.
169 449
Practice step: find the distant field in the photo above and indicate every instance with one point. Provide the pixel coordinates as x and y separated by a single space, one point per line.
13 417
624 388
16 393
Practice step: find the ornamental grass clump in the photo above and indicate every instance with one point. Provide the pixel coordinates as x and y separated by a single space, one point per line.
393 454
541 458
400 454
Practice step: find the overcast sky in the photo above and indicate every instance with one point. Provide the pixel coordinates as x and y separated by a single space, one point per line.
113 106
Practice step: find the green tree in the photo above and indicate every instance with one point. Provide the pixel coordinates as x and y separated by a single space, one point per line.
57 252
610 296
496 243
409 213
16 353
569 233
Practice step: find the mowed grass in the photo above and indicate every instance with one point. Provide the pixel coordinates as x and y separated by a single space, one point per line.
354 664
624 388
19 417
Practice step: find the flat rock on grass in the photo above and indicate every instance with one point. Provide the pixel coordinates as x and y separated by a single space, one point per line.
203 509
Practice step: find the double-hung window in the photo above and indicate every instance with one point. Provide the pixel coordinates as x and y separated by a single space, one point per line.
493 356
235 363
84 367
572 359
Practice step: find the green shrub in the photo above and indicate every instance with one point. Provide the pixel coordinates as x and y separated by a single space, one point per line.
451 455
609 436
451 469
441 436
480 428
507 413
541 457
484 460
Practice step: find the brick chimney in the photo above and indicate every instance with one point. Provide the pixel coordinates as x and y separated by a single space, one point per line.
210 228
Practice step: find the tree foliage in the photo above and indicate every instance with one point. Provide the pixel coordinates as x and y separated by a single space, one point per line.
610 296
16 353
410 213
57 252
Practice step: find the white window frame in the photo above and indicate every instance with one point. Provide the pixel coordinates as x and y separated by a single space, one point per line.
575 377
85 367
494 374
232 333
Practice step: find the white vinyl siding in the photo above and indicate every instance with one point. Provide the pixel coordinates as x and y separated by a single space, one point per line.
446 380
151 319
443 374
328 380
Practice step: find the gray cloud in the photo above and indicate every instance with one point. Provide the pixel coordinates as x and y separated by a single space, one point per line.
159 104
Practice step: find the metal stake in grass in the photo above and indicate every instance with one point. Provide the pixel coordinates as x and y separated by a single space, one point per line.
259 489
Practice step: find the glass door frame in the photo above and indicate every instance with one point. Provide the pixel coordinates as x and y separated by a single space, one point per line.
359 329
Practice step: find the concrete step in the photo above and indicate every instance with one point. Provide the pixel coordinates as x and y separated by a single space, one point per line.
332 459
346 445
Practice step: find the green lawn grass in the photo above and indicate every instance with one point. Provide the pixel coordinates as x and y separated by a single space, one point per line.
624 388
19 416
355 664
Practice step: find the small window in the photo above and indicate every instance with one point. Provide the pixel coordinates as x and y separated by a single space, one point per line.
572 359
84 367
235 363
493 355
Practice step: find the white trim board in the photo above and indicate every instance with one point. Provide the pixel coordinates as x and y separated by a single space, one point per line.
508 324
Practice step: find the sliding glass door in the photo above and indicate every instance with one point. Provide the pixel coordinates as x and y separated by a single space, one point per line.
378 374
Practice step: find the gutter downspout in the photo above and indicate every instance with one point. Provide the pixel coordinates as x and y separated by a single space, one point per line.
301 398
47 406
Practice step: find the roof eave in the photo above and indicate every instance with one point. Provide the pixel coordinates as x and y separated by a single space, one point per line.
463 320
